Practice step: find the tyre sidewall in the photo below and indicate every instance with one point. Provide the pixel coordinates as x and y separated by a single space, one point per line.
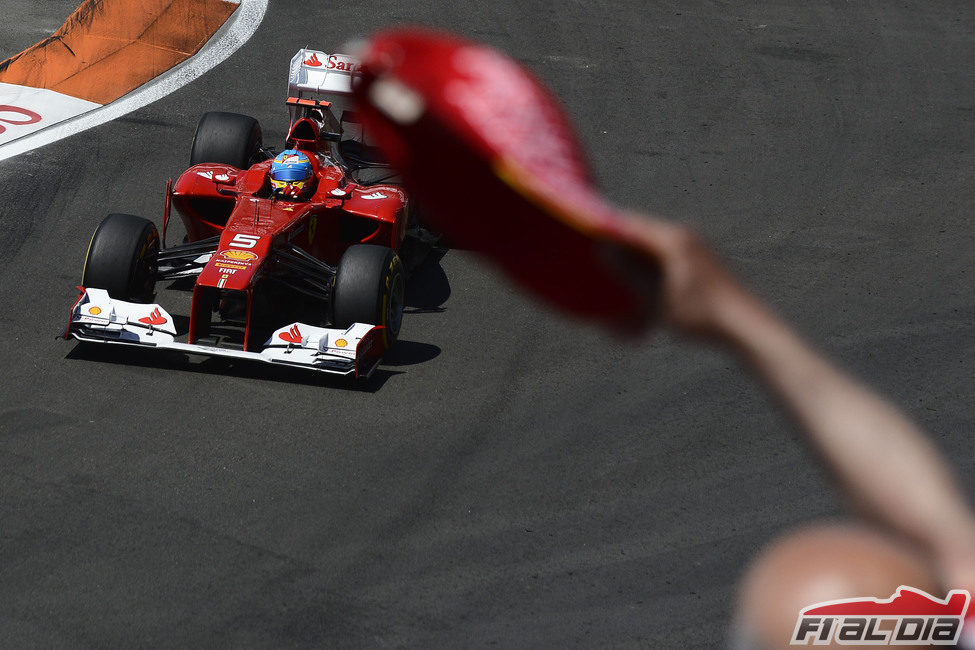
390 303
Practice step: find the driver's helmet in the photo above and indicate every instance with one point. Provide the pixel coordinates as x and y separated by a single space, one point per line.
292 174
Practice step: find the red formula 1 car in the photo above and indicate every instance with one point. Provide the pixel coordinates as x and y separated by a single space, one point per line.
294 258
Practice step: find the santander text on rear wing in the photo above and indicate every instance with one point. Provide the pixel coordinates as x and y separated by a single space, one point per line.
316 73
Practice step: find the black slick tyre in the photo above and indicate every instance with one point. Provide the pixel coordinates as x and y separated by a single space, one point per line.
122 258
370 288
228 138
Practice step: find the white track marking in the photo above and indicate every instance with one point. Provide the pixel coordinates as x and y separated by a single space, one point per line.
234 33
24 110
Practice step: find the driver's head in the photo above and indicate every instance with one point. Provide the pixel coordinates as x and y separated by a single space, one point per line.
292 174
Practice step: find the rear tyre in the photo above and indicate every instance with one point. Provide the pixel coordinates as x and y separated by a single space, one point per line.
228 138
370 288
122 258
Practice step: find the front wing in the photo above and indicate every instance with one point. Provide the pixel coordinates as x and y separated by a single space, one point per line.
98 318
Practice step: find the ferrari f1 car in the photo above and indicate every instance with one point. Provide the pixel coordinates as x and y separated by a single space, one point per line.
293 258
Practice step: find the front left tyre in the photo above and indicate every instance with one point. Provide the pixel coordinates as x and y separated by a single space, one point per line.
122 258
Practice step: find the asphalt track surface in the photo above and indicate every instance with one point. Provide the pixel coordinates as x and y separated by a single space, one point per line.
507 478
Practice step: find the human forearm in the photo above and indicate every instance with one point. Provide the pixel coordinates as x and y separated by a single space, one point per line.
883 461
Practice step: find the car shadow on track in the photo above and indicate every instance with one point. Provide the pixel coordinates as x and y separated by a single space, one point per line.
178 362
427 286
409 353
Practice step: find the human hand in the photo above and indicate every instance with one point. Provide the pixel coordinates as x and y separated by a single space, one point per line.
692 288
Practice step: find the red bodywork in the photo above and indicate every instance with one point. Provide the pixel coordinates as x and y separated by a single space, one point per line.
238 206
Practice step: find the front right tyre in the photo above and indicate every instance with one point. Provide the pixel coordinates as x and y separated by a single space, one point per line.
122 258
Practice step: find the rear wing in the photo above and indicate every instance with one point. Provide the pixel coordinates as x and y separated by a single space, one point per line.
316 80
316 73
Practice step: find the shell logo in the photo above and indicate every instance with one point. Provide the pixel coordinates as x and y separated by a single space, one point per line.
341 343
240 256
94 311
